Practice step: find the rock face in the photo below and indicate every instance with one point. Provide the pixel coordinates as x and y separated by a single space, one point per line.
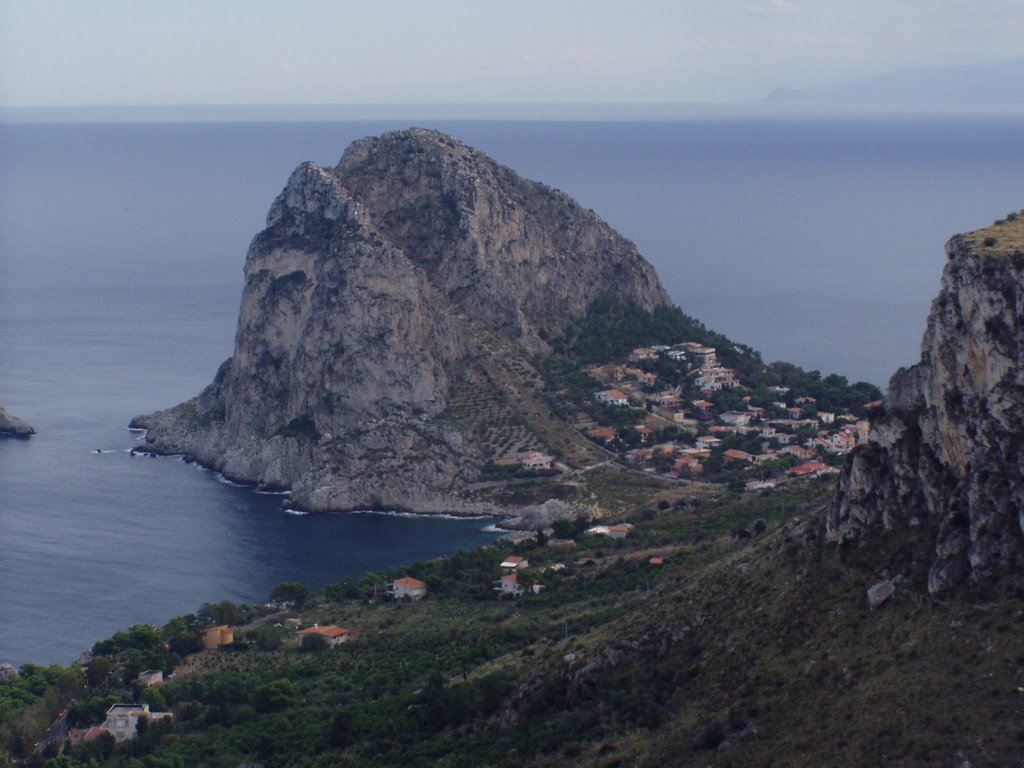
378 293
946 459
12 426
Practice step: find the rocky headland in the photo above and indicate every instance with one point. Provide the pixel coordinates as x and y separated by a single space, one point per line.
945 463
12 426
385 297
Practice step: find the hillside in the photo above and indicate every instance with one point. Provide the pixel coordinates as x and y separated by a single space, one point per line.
752 644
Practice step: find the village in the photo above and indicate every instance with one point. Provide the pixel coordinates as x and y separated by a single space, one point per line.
678 412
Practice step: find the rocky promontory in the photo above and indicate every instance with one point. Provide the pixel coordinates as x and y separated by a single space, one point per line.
946 458
12 426
388 303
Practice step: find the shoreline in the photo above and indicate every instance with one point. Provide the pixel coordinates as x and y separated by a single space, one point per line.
497 513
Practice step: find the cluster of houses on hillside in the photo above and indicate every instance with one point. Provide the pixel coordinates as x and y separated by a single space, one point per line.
789 426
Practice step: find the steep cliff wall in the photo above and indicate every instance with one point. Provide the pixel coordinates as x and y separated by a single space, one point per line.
375 287
947 457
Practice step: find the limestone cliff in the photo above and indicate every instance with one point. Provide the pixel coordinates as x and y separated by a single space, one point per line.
946 459
383 296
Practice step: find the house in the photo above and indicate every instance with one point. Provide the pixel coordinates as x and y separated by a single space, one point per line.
707 442
536 460
656 560
810 469
620 531
736 455
779 390
734 418
795 412
123 720
510 585
669 402
826 417
640 354
151 677
676 354
515 563
874 404
759 485
705 357
334 636
647 379
602 434
612 397
687 465
215 637
408 587
804 454
703 407
611 372
840 442
638 455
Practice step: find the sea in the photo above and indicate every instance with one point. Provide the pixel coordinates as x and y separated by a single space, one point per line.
814 239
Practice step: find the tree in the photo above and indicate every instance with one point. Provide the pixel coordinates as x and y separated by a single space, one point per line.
293 592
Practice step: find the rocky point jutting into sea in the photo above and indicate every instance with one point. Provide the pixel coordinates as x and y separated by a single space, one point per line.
416 267
13 426
946 460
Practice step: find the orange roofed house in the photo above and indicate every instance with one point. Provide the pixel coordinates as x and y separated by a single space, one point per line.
333 635
408 587
514 563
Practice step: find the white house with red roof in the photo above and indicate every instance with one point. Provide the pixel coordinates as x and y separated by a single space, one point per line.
612 397
332 635
408 587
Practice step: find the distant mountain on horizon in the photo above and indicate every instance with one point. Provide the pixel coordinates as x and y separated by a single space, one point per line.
981 83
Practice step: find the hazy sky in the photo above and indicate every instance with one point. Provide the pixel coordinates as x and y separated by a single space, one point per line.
126 52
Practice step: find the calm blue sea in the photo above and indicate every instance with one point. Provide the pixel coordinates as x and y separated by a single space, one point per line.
121 249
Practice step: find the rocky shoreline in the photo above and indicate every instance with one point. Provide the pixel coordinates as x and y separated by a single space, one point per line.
12 426
522 518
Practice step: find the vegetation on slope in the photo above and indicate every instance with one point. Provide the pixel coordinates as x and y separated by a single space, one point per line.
751 645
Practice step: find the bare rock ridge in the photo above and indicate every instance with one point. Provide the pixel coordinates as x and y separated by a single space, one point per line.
383 295
946 459
12 426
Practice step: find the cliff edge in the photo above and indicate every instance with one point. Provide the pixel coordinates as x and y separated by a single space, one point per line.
385 298
946 458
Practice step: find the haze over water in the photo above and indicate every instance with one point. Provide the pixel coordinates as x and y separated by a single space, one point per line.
817 241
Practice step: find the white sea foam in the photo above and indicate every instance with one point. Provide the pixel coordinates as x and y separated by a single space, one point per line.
428 515
298 512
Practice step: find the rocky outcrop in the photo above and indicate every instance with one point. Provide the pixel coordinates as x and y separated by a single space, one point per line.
946 459
12 426
375 298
